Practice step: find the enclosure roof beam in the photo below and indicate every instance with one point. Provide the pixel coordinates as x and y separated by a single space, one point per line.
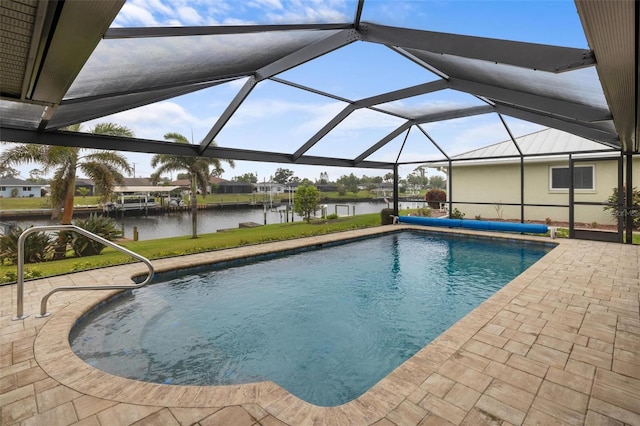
147 32
564 108
308 53
382 142
301 56
450 115
576 128
420 89
88 140
528 55
323 132
228 113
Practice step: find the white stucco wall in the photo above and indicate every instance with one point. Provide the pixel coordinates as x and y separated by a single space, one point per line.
23 191
501 183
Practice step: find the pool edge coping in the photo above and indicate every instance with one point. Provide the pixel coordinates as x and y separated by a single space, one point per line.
54 355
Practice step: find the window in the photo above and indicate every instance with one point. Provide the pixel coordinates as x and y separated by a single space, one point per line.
583 177
26 188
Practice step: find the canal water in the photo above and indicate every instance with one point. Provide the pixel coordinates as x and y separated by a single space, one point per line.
177 224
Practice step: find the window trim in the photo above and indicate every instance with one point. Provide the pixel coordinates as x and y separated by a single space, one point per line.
583 190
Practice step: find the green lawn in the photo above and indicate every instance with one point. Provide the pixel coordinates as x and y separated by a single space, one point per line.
167 247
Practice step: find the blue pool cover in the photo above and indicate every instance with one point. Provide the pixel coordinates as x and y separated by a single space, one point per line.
482 225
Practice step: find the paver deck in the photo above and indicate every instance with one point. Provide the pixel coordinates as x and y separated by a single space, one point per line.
560 344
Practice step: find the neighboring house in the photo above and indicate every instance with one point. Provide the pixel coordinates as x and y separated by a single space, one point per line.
85 183
272 188
138 182
13 187
486 178
221 186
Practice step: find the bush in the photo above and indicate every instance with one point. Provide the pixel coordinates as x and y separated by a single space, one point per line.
37 246
102 226
456 214
28 274
424 212
434 197
615 210
332 216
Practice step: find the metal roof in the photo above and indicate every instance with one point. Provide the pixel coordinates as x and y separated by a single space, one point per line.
61 64
144 189
549 141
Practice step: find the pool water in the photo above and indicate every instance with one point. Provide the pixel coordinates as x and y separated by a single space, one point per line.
326 325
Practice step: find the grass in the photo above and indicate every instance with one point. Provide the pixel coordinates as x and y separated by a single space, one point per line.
176 246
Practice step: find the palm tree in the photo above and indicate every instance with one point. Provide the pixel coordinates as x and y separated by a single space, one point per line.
198 170
103 167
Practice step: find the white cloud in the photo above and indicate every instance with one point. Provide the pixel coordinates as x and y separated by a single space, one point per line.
205 12
153 121
134 15
189 15
267 4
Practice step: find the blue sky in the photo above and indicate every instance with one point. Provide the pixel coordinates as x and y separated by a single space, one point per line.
279 118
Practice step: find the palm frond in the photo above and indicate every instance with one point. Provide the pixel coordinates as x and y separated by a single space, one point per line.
112 129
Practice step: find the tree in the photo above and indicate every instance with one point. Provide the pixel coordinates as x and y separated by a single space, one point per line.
438 182
83 191
617 211
324 178
8 172
413 179
348 181
105 168
282 176
388 177
421 173
247 178
197 170
36 176
306 201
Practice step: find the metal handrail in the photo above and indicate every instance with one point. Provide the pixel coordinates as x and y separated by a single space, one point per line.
43 305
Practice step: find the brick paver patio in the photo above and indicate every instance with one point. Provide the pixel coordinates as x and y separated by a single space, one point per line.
560 344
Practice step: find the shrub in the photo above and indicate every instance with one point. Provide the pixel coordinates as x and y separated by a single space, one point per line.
102 226
11 276
37 246
434 197
456 214
332 216
615 210
424 212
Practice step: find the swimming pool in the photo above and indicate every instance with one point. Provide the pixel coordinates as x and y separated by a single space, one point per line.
325 325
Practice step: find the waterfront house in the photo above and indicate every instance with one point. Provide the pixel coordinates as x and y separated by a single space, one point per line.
483 178
15 188
222 186
272 188
85 183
